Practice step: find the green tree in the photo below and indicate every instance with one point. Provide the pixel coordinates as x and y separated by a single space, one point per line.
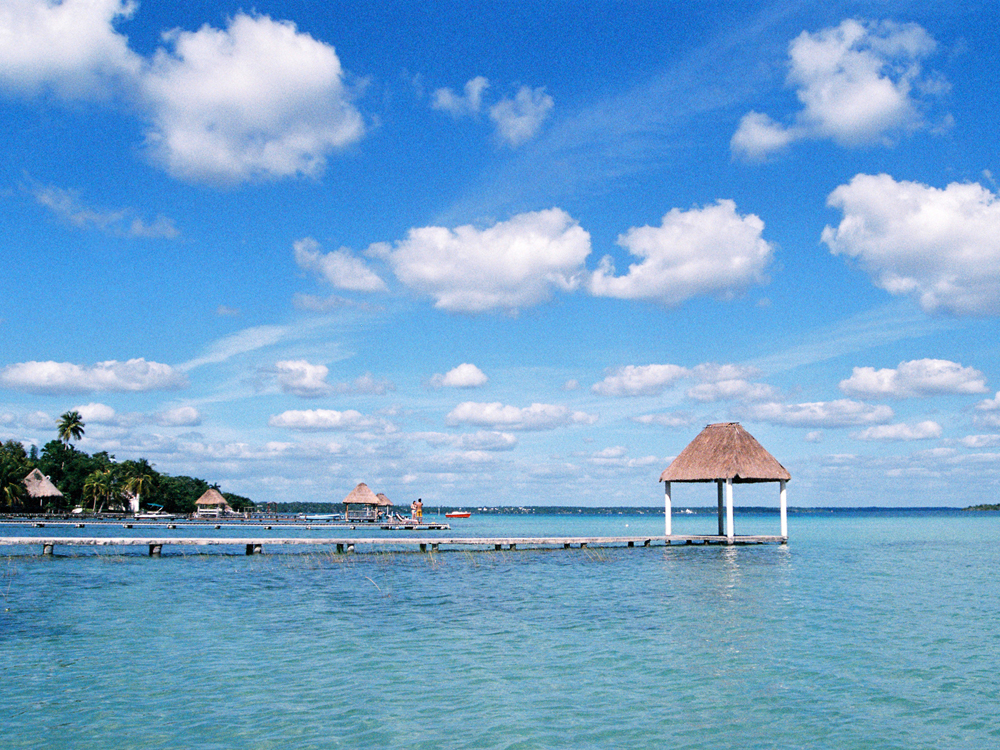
14 467
140 478
70 426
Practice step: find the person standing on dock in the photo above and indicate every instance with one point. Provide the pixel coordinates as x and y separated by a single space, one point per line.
413 510
419 515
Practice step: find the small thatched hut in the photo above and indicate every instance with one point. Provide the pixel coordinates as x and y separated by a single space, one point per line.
726 454
368 500
212 503
40 489
384 503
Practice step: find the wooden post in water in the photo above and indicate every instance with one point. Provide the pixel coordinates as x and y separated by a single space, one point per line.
666 510
722 528
47 549
155 550
729 511
783 502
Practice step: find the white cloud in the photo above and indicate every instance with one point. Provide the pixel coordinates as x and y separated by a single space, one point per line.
478 441
97 413
70 46
510 265
366 384
920 377
892 432
667 419
66 204
181 416
980 441
815 436
728 390
39 420
534 417
65 377
856 83
989 404
242 342
328 419
464 376
639 380
941 247
711 250
520 118
258 99
340 268
301 378
457 105
840 413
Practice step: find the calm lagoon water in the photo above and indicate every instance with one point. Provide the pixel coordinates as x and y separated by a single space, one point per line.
868 630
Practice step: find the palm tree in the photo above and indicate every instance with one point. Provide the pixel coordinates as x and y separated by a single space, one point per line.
70 426
140 478
100 485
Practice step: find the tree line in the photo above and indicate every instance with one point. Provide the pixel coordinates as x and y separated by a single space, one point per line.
96 482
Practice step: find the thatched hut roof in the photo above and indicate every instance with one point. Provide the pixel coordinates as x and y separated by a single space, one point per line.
361 495
40 486
725 451
383 501
213 498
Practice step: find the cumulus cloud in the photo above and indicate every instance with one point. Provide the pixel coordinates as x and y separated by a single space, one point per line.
181 416
666 419
256 99
458 105
328 419
534 417
65 377
731 390
365 385
840 413
339 268
941 247
464 376
67 205
858 84
519 119
639 380
920 377
483 440
70 47
710 250
980 441
301 378
892 432
97 413
510 265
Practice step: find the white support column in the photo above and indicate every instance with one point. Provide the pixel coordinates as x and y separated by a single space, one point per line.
784 508
722 527
666 509
729 511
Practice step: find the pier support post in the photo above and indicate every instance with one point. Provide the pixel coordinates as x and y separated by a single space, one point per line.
722 527
498 547
47 549
340 548
783 503
155 550
423 547
565 545
255 549
729 511
666 509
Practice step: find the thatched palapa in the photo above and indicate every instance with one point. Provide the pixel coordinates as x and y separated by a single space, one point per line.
212 503
40 488
725 451
362 495
726 454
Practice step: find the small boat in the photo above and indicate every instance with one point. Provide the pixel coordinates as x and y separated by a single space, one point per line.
457 514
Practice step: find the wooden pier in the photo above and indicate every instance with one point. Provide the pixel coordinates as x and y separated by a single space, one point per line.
255 545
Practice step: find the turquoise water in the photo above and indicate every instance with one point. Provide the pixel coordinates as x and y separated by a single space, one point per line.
867 630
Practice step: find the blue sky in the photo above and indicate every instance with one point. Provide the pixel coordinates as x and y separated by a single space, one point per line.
506 253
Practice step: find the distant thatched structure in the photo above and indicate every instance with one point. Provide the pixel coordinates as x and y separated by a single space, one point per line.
40 488
212 503
726 454
363 496
383 501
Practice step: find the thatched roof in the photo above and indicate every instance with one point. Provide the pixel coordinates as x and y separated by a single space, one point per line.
383 500
40 486
214 498
361 495
725 451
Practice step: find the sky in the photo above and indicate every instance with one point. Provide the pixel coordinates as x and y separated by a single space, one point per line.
506 253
